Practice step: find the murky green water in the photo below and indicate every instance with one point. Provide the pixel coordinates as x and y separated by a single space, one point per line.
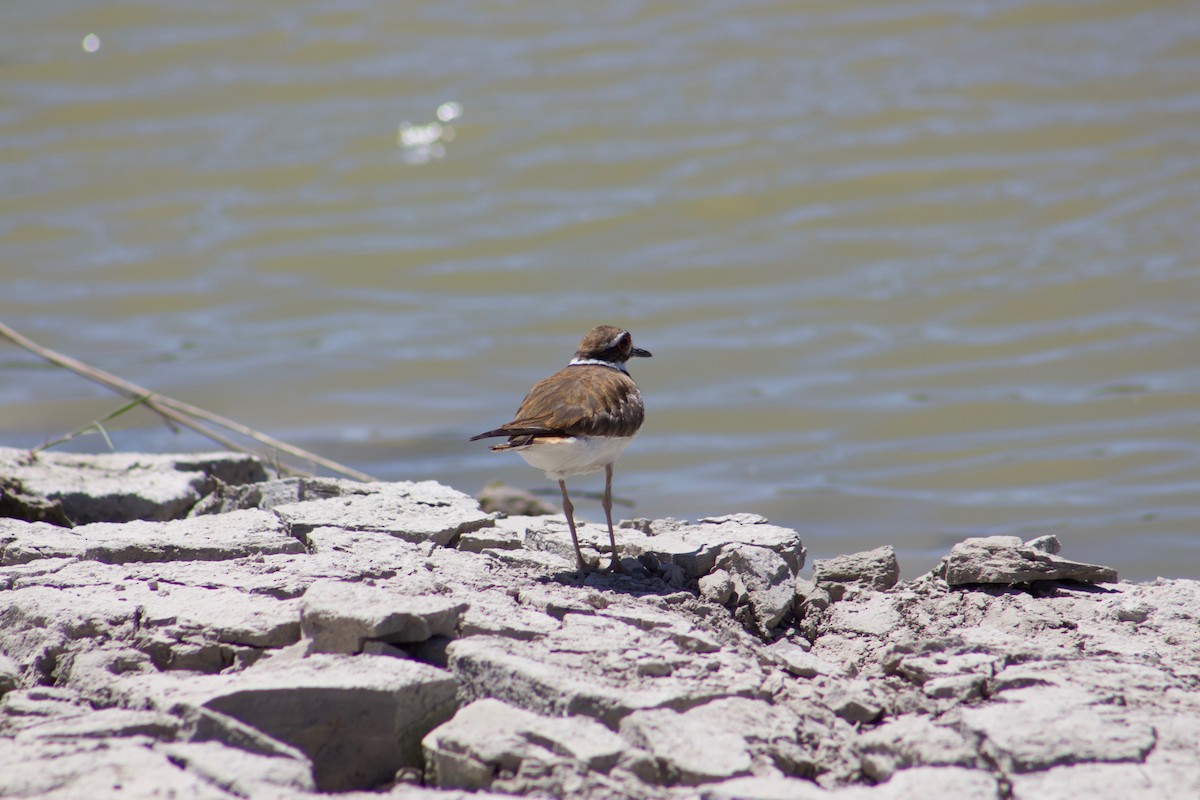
910 271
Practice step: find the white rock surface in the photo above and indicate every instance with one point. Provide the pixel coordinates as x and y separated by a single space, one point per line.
875 569
117 487
181 657
230 536
414 511
688 752
489 741
1007 560
762 579
340 617
695 547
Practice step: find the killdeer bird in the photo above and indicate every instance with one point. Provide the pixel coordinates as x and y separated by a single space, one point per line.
580 419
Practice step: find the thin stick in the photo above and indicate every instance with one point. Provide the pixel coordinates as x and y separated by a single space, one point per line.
174 409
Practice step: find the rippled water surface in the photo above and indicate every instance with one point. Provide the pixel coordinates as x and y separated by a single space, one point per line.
910 271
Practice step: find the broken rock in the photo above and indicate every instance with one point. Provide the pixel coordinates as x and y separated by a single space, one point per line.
694 547
913 741
489 739
874 569
339 617
589 666
120 487
761 578
1006 560
359 718
689 752
236 535
416 512
497 497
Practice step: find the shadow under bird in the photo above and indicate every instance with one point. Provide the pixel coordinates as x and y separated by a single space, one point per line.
580 419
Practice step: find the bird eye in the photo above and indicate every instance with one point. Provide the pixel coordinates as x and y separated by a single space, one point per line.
624 343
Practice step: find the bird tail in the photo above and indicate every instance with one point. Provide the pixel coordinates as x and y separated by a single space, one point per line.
489 434
515 432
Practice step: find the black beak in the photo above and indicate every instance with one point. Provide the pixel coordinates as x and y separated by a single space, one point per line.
637 351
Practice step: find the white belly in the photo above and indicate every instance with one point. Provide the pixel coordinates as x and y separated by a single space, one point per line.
577 455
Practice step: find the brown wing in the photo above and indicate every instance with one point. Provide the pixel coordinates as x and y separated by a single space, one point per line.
578 401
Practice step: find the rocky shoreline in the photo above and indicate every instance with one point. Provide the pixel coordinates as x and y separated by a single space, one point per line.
192 626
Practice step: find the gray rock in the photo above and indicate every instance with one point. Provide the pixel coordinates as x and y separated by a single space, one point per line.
872 614
16 503
38 625
268 494
874 569
717 586
205 725
500 537
582 740
761 578
60 746
933 660
1133 612
551 535
773 733
120 753
500 498
22 542
914 784
477 745
236 535
810 597
497 613
240 773
854 703
556 603
191 677
97 769
21 708
348 549
695 547
1048 714
913 741
690 752
120 487
764 787
1110 782
645 525
1041 732
1172 769
588 667
359 719
960 688
489 739
1006 560
339 617
172 613
809 607
801 663
10 675
107 723
921 783
1047 544
416 512
537 561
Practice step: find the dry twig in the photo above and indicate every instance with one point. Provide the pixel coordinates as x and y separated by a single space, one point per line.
178 411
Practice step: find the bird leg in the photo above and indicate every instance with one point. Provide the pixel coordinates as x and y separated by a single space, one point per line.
569 510
615 564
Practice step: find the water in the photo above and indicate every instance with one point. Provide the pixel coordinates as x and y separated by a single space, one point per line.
910 272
